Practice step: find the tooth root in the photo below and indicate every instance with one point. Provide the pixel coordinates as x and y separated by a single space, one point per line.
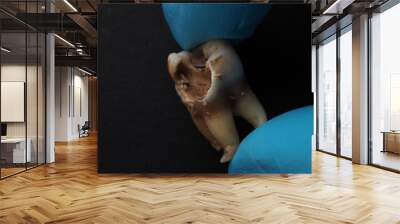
222 126
202 127
250 108
229 153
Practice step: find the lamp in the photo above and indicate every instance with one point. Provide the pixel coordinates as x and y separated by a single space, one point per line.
70 5
64 40
5 50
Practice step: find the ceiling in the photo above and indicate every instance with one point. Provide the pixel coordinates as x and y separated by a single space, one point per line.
76 22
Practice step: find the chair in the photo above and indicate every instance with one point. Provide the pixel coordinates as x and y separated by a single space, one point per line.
84 130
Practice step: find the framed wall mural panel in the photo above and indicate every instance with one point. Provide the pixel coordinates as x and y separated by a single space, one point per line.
204 88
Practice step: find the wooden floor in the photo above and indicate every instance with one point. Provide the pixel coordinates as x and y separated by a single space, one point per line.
387 159
5 172
70 191
9 171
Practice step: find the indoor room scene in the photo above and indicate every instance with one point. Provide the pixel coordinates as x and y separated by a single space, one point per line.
158 112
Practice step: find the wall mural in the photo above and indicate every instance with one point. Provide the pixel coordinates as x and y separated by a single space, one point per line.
205 78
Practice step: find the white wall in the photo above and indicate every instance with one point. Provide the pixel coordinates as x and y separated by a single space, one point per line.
16 73
62 81
12 73
71 102
12 101
80 103
33 127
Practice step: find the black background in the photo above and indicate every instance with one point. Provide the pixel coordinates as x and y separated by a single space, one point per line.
144 127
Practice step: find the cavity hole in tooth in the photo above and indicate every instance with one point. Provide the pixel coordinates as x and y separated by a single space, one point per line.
199 66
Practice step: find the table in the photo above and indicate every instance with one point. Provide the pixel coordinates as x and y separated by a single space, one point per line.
391 141
13 150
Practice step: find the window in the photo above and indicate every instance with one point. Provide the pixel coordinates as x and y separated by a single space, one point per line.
327 95
22 77
346 93
334 106
385 89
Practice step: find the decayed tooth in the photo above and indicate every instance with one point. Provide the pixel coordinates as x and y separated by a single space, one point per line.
250 108
184 86
222 126
228 94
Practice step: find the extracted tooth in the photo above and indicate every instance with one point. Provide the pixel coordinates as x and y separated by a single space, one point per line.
219 90
250 108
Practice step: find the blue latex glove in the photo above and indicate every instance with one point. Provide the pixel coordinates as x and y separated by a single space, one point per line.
281 145
192 24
